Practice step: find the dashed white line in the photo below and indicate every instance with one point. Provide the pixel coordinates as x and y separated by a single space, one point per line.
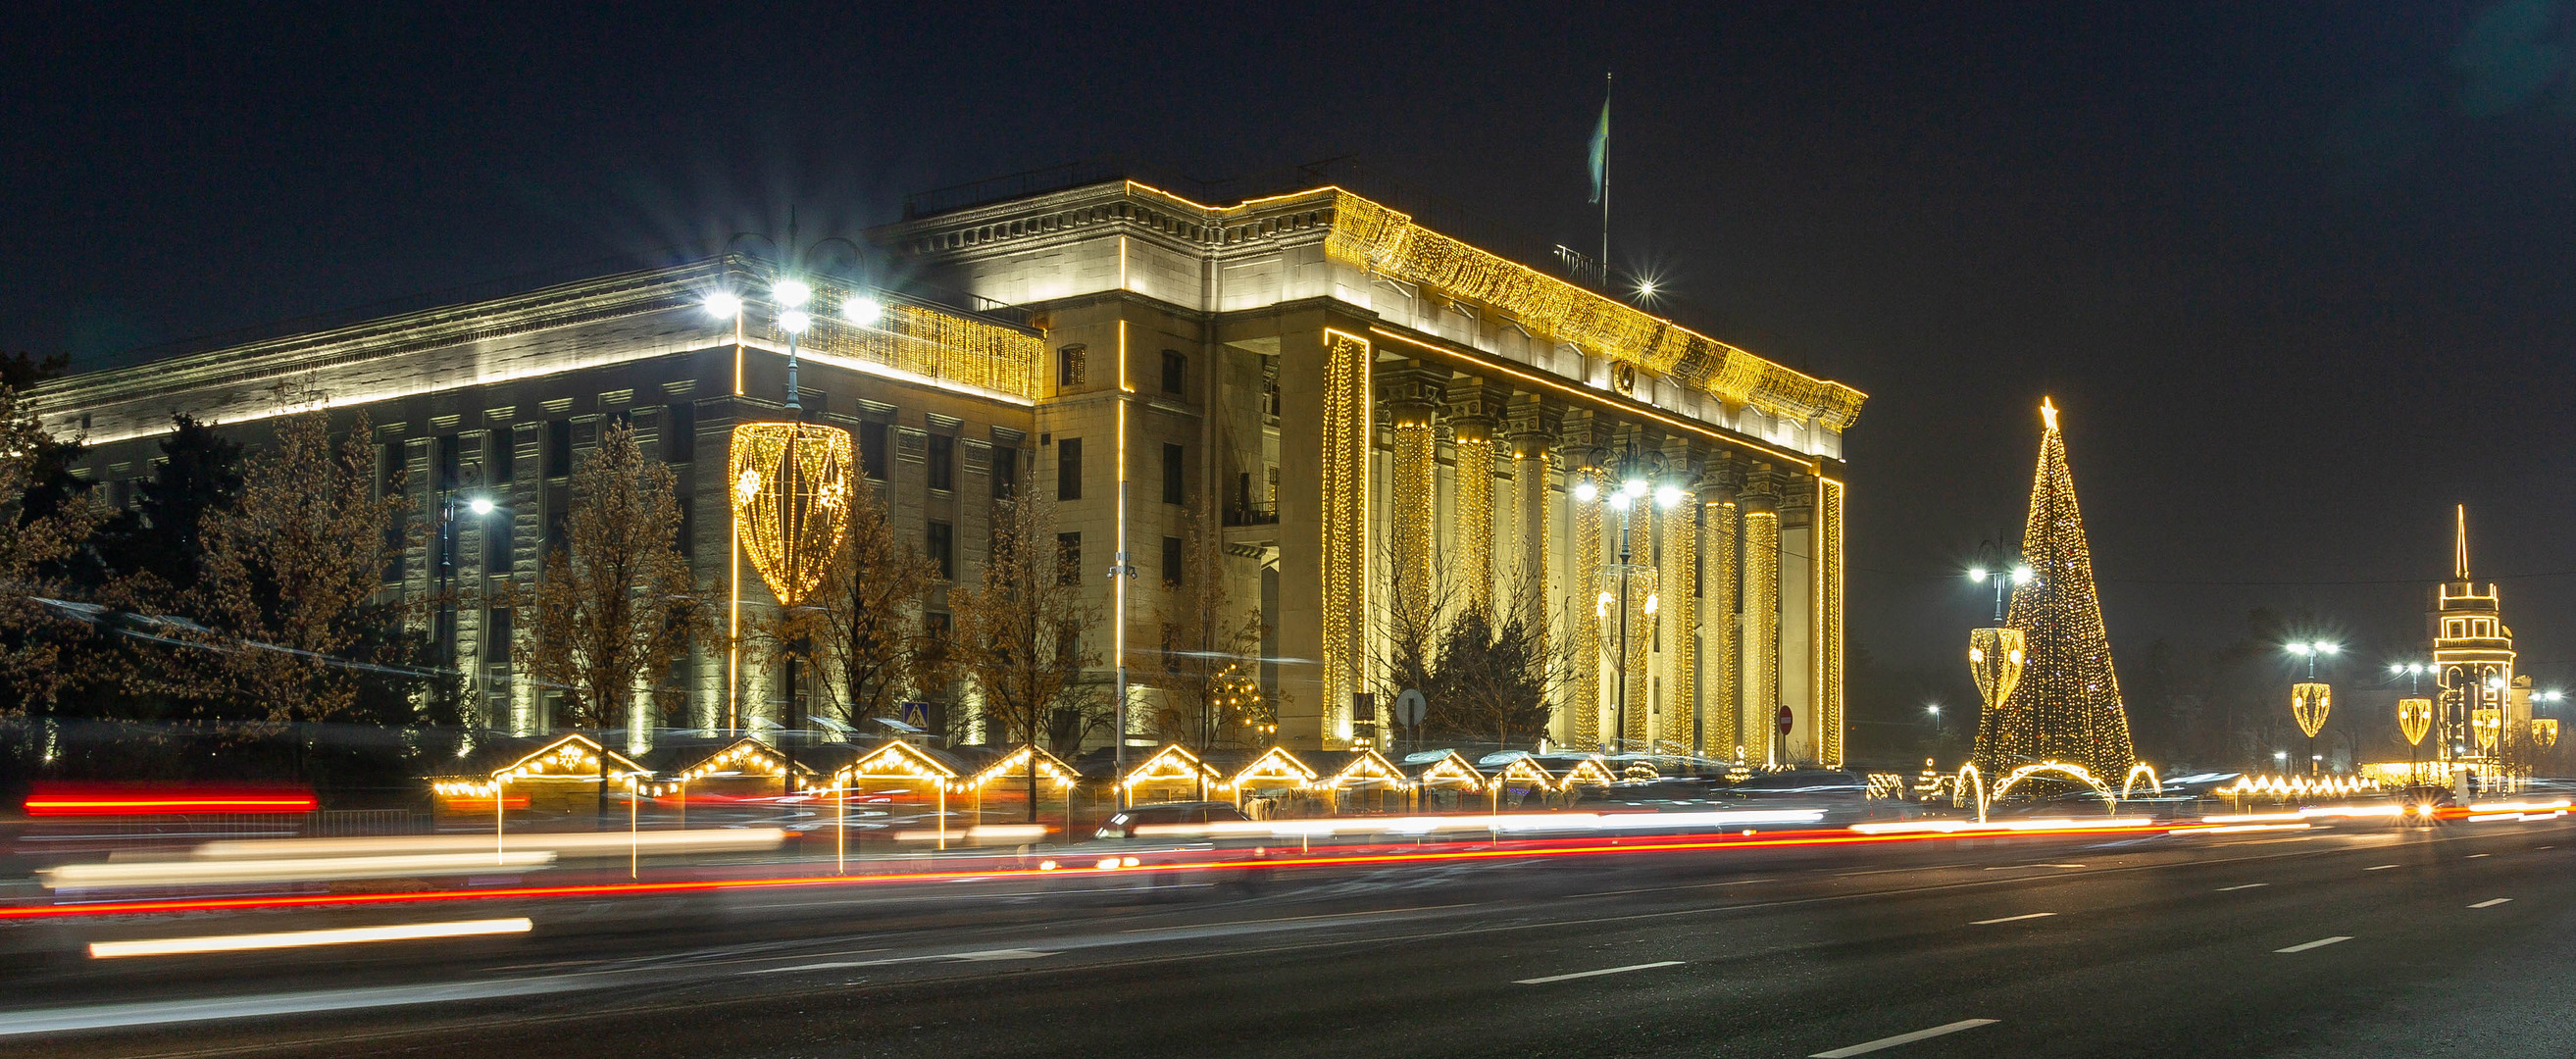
2491 903
2474 856
1596 974
2317 944
2009 919
2379 867
1867 1047
2242 886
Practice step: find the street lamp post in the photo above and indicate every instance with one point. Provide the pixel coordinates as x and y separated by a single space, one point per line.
1638 472
2000 565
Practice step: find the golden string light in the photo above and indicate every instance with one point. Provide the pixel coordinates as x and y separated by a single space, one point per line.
1829 621
1382 240
1412 484
1762 622
1721 730
791 498
1583 688
1475 533
2544 732
1015 765
1346 430
928 343
1680 534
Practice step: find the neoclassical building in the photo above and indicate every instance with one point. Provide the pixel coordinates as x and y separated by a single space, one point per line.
1388 425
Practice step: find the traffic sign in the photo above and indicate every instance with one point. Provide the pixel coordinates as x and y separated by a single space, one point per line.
1785 719
1410 707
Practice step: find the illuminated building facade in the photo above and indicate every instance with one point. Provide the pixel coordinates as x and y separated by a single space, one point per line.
2482 711
1373 414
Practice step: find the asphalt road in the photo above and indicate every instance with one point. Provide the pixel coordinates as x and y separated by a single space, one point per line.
2361 941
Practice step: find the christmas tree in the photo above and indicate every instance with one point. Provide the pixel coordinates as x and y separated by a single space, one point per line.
2067 706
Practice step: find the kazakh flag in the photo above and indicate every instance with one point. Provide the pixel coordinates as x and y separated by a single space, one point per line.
1601 151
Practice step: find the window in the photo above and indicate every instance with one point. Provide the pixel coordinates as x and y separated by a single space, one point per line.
389 469
1176 370
558 537
496 644
1006 472
497 542
1068 558
2454 628
679 432
938 627
558 448
501 458
1173 557
1068 469
451 461
688 535
872 449
943 549
1174 473
943 462
1070 368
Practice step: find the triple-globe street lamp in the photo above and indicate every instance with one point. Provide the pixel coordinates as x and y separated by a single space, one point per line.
1641 474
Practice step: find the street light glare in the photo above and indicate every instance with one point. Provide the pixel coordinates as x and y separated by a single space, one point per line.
724 305
1634 487
1977 574
2325 648
792 294
862 310
481 505
794 321
1586 492
1668 497
2022 574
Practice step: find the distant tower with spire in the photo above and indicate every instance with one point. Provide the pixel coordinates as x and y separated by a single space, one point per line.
2481 710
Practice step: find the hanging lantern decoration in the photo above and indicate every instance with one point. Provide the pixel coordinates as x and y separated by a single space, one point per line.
1995 660
2414 718
2489 725
2309 702
2544 732
791 501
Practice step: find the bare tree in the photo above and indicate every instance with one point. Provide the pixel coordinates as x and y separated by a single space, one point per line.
865 624
616 606
295 568
1019 631
1209 645
32 542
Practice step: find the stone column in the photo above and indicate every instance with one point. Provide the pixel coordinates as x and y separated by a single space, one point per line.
1722 728
1761 632
1798 616
1830 719
1412 394
1323 591
1585 445
1475 409
1534 423
1677 626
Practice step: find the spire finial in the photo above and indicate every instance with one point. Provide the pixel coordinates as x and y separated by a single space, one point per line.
2460 551
2048 414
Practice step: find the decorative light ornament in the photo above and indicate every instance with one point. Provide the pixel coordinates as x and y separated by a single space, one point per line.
1994 659
791 491
2414 718
2489 725
2544 732
2309 702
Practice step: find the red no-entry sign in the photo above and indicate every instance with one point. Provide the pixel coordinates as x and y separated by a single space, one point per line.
1785 720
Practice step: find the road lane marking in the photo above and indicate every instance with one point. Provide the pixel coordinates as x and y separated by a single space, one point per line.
2474 856
2491 903
2242 886
985 956
1288 919
1883 871
1596 974
1669 889
2317 944
2009 867
164 1012
2379 867
1867 1047
2008 919
295 939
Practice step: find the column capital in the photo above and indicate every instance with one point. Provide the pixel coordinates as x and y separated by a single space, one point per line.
1410 391
1587 437
1720 478
1761 490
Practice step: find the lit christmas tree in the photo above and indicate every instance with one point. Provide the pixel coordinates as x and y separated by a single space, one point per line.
2067 706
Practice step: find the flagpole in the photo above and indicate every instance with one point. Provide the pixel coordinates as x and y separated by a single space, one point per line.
1605 180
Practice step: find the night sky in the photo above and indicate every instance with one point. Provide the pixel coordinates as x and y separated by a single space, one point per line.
2298 278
